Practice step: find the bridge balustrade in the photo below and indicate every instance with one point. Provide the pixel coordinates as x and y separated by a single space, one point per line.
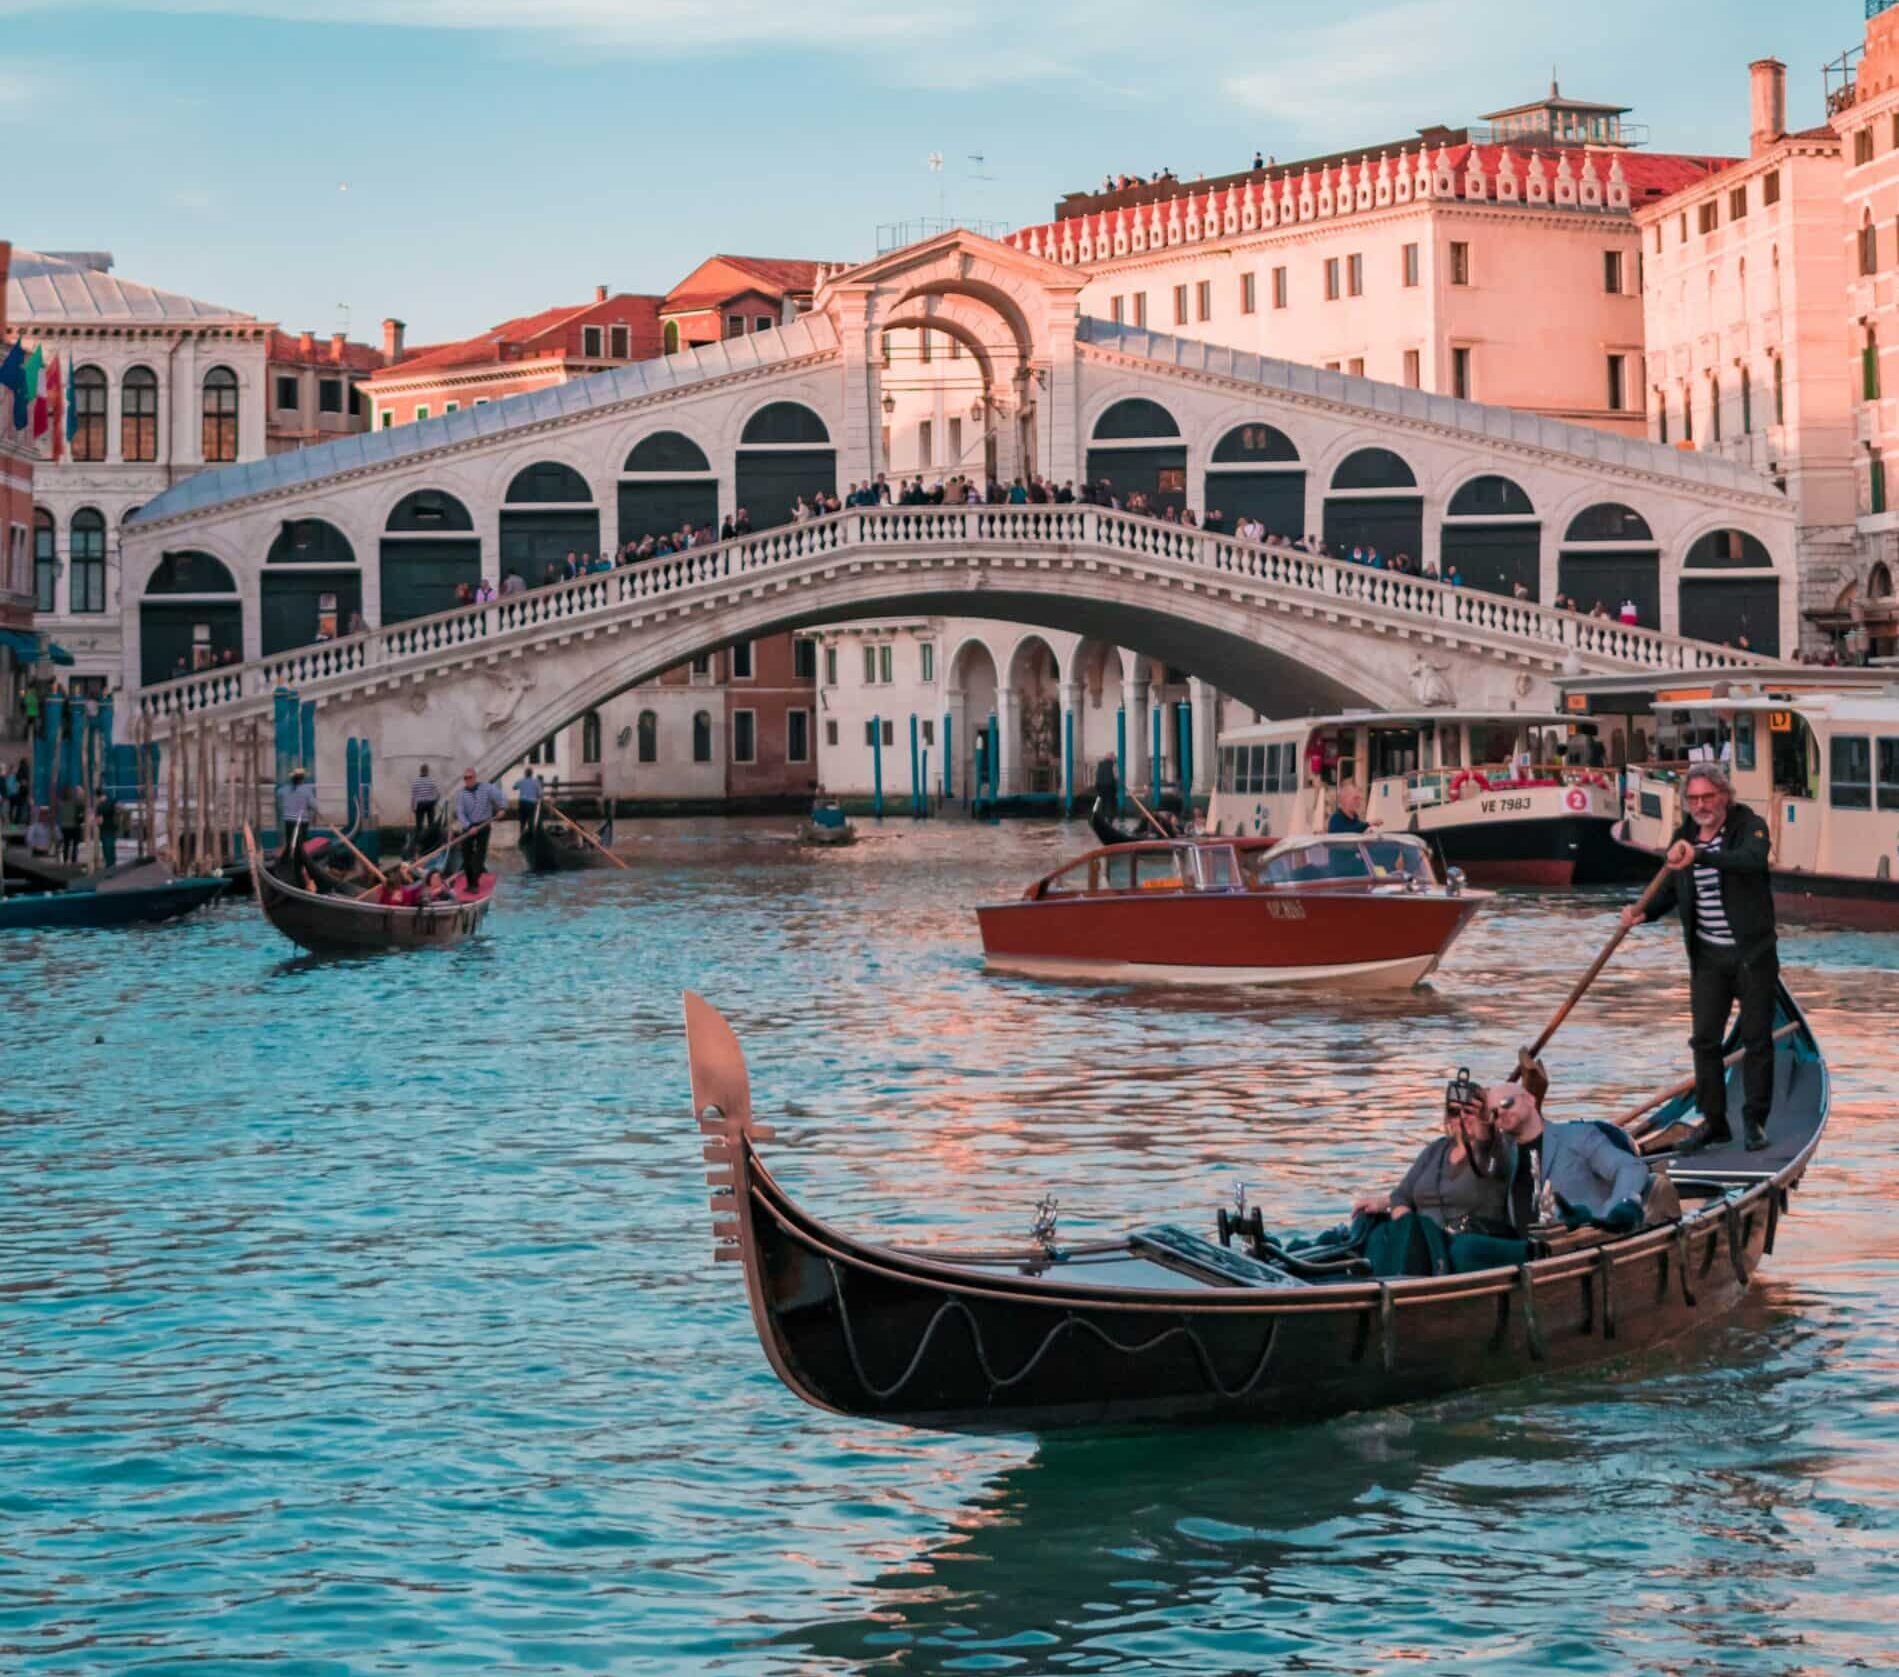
870 531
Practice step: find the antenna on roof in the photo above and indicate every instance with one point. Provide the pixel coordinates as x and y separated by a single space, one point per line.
978 159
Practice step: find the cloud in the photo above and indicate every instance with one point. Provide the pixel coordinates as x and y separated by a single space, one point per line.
27 88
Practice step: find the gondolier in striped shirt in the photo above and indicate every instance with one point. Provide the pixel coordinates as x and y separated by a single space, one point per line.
1720 885
297 808
425 798
477 802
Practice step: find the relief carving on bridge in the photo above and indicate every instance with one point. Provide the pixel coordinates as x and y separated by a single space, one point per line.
510 687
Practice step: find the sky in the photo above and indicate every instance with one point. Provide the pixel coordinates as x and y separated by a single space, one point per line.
324 163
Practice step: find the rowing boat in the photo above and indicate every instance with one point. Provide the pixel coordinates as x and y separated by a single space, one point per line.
336 923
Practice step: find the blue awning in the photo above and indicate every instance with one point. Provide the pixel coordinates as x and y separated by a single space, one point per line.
57 653
30 648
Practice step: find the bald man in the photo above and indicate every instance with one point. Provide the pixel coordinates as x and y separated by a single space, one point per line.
1573 1173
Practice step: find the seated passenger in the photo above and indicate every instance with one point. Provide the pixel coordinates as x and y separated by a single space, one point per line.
435 888
1461 1179
1576 1173
395 888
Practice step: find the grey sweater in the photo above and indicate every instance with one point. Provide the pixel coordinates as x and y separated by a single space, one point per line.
1447 1191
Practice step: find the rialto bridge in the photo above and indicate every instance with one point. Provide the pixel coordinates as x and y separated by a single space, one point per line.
262 558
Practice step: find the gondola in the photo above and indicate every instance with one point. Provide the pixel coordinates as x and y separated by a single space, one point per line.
549 845
107 904
1165 1325
341 924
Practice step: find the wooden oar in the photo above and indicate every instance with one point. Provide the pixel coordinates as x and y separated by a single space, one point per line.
1631 1120
1153 820
1529 1068
562 816
437 851
343 837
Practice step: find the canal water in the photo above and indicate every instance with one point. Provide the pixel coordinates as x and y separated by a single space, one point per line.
361 1318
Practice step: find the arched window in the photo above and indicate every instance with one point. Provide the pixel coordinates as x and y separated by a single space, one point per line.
428 511
1747 403
1728 550
138 415
590 737
701 736
787 424
649 737
1136 417
666 451
1491 497
45 561
1780 394
1373 468
1687 413
1879 583
1609 521
1714 408
89 415
310 541
87 588
190 572
219 439
1252 445
548 481
1661 415
670 337
1869 367
1868 244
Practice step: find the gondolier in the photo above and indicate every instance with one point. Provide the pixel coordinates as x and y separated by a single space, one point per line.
297 806
1719 884
527 791
478 802
425 798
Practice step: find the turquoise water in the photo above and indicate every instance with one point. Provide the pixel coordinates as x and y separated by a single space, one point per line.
359 1318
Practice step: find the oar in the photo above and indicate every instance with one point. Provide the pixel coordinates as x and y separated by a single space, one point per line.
450 845
1631 1120
566 820
1153 820
381 877
1529 1069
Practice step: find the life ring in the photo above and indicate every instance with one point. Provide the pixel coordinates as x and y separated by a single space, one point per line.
1465 777
1577 799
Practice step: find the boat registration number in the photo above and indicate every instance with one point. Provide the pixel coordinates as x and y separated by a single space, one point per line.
1503 806
1285 910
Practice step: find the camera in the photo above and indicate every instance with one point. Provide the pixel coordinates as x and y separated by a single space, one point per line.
1460 1090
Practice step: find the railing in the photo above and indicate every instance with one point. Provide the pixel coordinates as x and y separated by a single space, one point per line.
870 532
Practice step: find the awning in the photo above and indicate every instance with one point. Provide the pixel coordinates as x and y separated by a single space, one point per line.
57 654
30 648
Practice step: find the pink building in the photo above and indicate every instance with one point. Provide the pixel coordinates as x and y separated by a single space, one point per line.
1744 286
1498 264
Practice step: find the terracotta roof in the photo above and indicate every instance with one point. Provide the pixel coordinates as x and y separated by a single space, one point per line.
781 273
358 358
498 343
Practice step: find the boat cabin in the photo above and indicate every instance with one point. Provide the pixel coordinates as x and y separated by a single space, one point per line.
1347 861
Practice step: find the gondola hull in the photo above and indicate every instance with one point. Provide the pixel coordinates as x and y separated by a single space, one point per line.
132 906
549 847
342 925
1123 1332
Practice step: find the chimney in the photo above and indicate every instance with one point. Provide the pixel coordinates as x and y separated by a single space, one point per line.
337 342
306 344
392 341
599 293
1768 79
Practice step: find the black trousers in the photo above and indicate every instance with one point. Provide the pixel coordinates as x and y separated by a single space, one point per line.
424 825
475 857
1720 979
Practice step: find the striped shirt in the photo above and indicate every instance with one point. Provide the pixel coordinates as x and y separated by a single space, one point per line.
1711 919
480 802
299 801
423 790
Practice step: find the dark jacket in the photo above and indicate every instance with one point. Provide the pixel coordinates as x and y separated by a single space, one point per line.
1747 896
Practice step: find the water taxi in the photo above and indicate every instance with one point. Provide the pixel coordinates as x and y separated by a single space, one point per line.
1510 797
1363 911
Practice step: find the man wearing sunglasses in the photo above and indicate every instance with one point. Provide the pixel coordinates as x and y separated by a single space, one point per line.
1719 883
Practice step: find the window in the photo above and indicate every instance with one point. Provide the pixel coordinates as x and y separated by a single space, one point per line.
955 437
735 325
764 323
870 666
1869 368
1737 203
1410 269
1889 774
1868 245
1460 263
1331 279
1687 415
1249 293
870 733
1411 369
590 737
1747 403
890 733
1876 484
421 412
1618 386
1714 408
138 415
1863 144
926 660
647 737
89 414
1708 217
1140 308
1460 373
1203 300
885 341
1770 187
329 395
702 668
669 338
830 731
1780 395
924 441
87 591
619 342
1279 288
590 341
218 441
797 736
1356 366
1115 306
287 393
929 733
830 666
385 419
1180 305
741 661
1355 276
1612 272
804 660
744 736
1851 772
924 340
45 561
884 657
1661 416
702 736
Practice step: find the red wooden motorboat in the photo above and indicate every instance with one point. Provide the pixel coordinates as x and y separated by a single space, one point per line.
1359 909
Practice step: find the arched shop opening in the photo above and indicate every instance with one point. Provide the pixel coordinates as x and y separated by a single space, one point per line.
311 586
1374 502
547 513
1137 447
666 484
784 452
189 618
1609 555
429 551
1730 592
1492 536
1256 473
972 690
1035 677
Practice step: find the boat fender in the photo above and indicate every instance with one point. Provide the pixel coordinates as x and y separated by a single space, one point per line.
1681 1263
1776 1197
1526 1294
1387 1327
1737 1240
1605 1280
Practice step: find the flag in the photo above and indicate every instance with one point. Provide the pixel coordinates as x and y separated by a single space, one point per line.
13 380
72 413
54 398
35 366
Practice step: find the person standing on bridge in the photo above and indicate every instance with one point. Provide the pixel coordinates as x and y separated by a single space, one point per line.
478 803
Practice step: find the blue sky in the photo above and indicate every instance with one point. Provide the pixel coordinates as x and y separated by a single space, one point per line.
501 156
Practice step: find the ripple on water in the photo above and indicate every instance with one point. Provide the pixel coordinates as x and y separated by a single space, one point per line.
358 1317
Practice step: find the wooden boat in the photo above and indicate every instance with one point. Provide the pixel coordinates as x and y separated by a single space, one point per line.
1163 1325
1489 790
340 924
827 825
548 845
1363 910
106 904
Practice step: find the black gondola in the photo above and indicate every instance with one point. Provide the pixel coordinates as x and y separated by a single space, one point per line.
549 845
1165 1326
337 922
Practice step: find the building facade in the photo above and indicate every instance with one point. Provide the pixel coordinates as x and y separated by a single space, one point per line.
18 456
163 386
729 296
